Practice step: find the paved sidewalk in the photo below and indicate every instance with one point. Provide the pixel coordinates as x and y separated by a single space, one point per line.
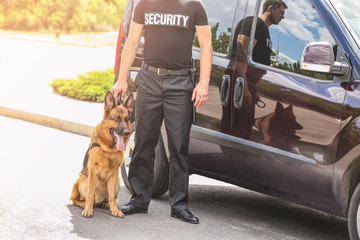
39 165
82 39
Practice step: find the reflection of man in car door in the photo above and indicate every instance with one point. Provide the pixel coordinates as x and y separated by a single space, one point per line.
243 119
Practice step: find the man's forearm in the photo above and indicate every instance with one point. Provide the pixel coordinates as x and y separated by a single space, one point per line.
129 51
205 63
127 59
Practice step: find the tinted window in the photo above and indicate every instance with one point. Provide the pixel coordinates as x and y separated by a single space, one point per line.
351 11
301 25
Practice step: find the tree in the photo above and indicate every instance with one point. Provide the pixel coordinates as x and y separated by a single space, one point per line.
61 15
220 43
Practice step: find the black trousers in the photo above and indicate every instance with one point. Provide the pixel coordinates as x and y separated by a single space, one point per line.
161 98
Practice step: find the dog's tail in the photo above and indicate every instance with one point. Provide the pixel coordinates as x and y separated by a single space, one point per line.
75 192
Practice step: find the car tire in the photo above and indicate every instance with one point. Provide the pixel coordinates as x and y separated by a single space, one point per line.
354 215
161 166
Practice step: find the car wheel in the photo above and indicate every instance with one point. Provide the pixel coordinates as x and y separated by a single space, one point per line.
354 215
161 166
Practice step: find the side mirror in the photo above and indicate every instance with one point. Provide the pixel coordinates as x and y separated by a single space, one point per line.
319 57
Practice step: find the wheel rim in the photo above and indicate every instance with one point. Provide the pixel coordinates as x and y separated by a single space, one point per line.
128 151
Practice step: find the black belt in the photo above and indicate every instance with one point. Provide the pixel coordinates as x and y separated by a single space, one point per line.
166 72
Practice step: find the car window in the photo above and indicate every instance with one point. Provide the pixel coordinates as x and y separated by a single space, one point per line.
220 14
301 26
350 9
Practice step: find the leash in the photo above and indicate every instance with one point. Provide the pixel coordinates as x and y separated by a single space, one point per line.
260 103
118 99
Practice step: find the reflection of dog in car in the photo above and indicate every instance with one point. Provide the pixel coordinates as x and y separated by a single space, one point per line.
279 127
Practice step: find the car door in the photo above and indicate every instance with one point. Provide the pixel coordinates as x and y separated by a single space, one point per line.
205 153
284 143
290 132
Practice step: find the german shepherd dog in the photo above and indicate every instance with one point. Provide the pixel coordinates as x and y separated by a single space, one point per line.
98 183
279 127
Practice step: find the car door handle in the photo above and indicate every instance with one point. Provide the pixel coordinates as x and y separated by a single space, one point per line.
225 90
239 92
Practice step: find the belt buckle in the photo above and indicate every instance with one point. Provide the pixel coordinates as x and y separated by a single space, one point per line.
159 72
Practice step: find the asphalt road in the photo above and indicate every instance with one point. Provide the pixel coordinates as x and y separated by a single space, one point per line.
39 165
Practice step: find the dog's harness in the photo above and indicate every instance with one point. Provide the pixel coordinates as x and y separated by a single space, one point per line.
87 158
94 145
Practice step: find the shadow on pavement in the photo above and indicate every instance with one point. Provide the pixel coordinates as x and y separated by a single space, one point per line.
224 212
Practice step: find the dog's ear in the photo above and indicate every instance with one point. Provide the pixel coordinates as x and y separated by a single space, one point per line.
290 112
129 104
279 107
289 108
109 101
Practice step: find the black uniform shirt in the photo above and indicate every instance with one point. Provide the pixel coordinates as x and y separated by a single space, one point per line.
263 48
169 30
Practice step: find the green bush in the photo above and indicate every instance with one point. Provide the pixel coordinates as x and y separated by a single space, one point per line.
91 86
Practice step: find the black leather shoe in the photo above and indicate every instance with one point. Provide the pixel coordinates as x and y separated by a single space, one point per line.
185 215
129 209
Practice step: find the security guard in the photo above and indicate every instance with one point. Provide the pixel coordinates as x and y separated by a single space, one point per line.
165 92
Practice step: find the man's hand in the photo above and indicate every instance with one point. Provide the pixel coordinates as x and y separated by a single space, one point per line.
200 94
120 87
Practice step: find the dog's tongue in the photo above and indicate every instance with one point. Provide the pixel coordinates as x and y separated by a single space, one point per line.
120 145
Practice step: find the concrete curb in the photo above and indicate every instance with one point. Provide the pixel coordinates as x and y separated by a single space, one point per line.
65 39
63 125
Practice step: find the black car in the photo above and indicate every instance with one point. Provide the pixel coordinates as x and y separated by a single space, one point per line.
299 139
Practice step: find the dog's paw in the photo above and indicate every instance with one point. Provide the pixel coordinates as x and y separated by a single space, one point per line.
117 213
105 205
87 213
